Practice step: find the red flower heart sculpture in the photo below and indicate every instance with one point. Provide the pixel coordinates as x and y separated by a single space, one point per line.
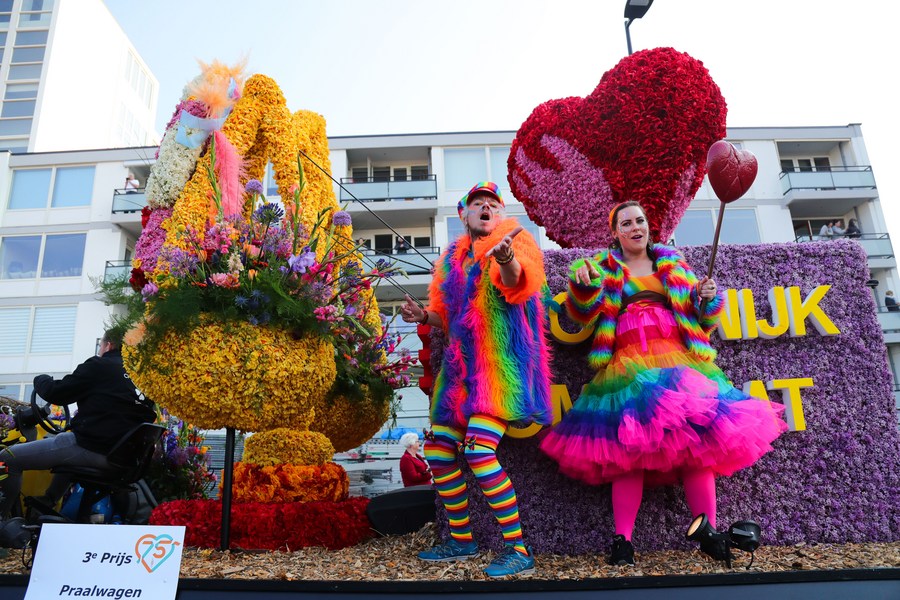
643 134
731 171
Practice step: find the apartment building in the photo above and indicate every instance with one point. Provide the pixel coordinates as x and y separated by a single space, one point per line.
51 52
65 221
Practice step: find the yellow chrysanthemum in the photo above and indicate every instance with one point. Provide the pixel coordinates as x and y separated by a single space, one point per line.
251 378
348 423
283 445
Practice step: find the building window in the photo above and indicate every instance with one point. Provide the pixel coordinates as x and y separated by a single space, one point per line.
15 126
695 228
21 91
499 168
36 13
739 226
14 324
31 38
467 166
16 146
18 72
19 108
19 256
30 188
72 186
62 256
53 329
42 329
464 167
5 13
419 173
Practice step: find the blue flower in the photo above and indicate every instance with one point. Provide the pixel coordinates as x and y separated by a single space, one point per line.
342 219
240 301
254 186
303 261
268 213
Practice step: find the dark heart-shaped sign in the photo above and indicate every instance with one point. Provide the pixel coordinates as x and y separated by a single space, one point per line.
641 135
731 171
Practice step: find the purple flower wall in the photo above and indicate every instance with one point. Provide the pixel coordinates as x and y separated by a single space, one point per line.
837 481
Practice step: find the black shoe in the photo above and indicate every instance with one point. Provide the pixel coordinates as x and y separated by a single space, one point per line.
622 552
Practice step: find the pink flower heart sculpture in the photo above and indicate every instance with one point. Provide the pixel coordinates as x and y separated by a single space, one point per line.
731 171
642 134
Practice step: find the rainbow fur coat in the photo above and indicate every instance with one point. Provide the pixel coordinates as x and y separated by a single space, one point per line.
599 303
496 359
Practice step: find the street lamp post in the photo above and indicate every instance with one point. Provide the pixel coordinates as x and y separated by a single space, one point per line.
634 9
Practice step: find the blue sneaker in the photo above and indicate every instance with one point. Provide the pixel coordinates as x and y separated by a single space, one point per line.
452 550
511 562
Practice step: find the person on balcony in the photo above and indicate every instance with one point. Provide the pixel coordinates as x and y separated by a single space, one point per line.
109 406
853 230
826 232
132 185
837 230
413 468
401 246
890 302
487 296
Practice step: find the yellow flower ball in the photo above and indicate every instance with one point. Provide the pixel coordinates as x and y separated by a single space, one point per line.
247 377
290 446
349 423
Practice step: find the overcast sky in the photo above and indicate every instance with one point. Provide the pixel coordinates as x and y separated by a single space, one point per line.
416 66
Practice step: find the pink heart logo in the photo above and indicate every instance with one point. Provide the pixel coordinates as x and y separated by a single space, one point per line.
731 171
642 134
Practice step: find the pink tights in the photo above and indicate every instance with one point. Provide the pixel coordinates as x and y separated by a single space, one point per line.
627 490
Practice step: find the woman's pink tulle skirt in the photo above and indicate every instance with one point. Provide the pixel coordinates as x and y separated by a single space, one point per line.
660 409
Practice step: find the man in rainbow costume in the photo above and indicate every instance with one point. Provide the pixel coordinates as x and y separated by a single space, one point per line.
487 296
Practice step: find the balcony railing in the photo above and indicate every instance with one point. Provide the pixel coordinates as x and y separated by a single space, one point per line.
835 178
128 201
889 320
876 245
375 189
415 261
117 270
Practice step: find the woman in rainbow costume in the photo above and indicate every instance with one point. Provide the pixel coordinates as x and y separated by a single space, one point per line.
659 409
487 295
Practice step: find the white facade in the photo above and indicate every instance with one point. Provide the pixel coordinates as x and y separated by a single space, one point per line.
70 79
409 185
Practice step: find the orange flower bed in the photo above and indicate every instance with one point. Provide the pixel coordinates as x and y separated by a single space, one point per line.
289 483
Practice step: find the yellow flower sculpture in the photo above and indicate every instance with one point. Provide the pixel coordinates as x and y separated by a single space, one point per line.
249 377
253 377
349 423
282 445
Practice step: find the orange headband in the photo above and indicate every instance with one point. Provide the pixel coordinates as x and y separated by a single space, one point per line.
612 215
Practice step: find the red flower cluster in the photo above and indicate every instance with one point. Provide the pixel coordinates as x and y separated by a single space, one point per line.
270 526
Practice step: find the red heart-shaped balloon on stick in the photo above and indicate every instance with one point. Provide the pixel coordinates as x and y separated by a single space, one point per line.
731 171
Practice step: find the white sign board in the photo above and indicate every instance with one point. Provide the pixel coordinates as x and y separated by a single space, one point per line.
106 561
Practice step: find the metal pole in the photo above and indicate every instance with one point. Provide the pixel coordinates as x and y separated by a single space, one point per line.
628 35
227 474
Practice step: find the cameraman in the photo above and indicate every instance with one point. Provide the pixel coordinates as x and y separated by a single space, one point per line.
109 406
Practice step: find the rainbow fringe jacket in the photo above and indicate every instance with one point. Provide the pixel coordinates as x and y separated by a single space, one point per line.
598 304
496 359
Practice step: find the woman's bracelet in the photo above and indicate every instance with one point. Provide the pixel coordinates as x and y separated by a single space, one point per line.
424 320
507 259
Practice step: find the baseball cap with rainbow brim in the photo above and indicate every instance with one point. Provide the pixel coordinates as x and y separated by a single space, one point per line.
482 187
